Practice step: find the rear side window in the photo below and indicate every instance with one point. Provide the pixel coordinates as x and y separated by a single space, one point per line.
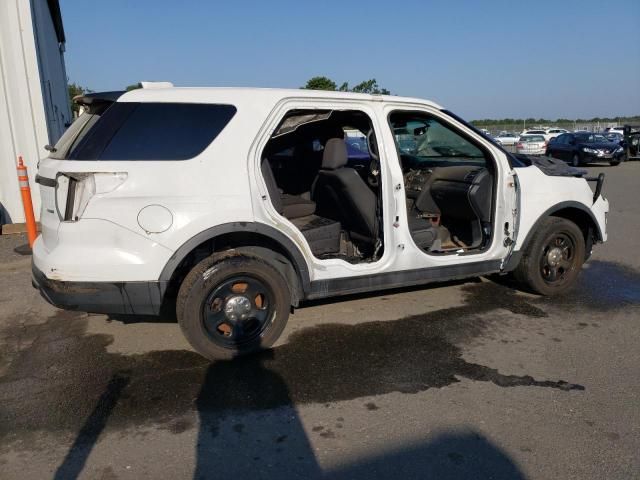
153 131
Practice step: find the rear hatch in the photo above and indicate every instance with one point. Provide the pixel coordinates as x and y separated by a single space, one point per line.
62 195
116 141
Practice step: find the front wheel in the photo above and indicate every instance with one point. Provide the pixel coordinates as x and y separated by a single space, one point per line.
231 305
613 163
553 258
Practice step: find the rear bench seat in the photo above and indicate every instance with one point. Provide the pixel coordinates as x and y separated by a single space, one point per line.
322 234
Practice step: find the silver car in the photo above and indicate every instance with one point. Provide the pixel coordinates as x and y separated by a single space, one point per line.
531 145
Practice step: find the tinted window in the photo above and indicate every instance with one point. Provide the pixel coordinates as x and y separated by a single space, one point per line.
78 129
561 138
153 131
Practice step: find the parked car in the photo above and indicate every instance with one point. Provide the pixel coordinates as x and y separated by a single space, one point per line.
534 132
531 144
584 147
617 138
619 130
252 210
554 132
507 138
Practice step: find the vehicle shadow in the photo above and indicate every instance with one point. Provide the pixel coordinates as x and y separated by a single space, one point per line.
232 442
449 456
249 426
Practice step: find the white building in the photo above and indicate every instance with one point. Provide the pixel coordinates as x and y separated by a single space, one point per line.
34 105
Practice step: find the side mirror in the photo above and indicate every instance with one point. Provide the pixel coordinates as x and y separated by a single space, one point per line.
572 142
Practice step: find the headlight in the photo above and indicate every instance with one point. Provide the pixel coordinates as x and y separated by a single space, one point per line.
589 150
619 149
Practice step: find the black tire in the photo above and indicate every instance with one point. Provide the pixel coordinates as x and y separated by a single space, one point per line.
575 160
232 304
541 269
613 163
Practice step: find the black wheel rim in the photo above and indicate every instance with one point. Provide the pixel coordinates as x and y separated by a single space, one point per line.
558 259
238 311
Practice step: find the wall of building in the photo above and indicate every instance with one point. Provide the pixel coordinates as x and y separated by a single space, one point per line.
33 96
53 76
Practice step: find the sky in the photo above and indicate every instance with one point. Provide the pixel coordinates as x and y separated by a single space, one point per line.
480 59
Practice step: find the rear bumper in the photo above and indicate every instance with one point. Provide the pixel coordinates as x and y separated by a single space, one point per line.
139 298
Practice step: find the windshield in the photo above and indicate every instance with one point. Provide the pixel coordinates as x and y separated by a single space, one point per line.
513 160
426 137
592 138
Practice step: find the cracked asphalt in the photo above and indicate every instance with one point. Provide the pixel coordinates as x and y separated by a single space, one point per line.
471 379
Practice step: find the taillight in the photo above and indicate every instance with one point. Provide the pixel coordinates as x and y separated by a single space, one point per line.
519 145
74 190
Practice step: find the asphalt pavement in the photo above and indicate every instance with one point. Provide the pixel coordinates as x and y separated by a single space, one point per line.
473 379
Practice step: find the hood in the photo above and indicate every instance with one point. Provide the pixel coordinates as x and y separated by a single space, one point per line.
551 166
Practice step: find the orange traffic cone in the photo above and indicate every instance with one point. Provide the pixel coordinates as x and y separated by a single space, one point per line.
25 191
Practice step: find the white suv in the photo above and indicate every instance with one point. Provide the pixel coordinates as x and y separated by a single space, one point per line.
240 204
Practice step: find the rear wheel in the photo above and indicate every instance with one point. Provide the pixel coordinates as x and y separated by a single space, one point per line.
231 305
575 160
552 260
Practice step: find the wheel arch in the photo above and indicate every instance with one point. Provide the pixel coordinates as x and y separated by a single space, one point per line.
575 212
256 238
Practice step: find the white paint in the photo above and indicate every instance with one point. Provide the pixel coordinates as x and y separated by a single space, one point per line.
155 219
223 184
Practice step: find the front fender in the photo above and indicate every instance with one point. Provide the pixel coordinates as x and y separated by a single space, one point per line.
543 195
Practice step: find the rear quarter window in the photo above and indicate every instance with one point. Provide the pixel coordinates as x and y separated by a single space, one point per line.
153 131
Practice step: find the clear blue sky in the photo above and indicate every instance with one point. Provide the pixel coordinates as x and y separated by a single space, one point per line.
490 59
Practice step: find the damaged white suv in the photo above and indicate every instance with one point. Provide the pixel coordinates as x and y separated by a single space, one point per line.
239 204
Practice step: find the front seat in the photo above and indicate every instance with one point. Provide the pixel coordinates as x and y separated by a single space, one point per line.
341 194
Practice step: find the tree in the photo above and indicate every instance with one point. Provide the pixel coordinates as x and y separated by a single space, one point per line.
325 83
320 83
133 86
370 86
